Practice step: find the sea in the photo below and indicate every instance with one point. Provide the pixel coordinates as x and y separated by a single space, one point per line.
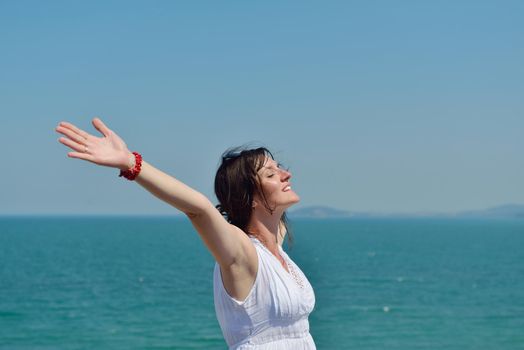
147 283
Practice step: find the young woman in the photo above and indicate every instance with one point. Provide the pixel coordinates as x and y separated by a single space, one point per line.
262 298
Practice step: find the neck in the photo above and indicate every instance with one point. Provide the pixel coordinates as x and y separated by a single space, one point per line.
268 229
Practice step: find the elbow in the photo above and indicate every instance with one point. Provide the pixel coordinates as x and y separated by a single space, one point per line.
203 208
192 215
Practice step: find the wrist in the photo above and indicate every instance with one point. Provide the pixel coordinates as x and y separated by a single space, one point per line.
128 161
132 173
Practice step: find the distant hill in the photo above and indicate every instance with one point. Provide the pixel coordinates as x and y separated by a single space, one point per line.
503 211
323 212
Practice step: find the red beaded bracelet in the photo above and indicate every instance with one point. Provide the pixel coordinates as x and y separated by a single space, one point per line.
132 173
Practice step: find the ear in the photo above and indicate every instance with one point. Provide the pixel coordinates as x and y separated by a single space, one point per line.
256 201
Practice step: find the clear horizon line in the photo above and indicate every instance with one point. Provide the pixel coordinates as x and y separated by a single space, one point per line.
181 215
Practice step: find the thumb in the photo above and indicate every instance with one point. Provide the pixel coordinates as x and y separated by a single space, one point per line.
100 126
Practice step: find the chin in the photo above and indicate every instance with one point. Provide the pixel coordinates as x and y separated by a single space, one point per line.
294 201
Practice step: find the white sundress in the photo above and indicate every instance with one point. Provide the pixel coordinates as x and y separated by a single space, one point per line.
274 315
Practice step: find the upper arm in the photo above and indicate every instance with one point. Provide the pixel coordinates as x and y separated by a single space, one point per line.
227 243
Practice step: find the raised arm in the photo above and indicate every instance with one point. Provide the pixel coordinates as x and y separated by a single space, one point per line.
226 242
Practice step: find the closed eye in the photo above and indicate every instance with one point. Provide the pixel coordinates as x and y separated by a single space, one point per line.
276 169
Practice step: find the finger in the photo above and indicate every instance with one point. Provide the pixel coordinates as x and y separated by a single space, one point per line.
75 129
100 126
81 155
71 134
75 146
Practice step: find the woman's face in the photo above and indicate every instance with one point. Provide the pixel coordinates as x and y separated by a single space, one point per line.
275 182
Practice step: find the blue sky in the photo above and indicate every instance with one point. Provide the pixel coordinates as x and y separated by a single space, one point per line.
382 106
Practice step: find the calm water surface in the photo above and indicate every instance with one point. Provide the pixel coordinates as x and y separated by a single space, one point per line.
146 283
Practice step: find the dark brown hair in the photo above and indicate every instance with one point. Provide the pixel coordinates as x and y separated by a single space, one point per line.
236 183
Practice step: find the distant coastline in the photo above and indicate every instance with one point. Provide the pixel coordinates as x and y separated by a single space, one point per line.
510 211
507 211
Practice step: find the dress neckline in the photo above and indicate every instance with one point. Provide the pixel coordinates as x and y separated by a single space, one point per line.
273 255
291 272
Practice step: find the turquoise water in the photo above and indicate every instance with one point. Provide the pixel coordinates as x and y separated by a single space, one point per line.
146 283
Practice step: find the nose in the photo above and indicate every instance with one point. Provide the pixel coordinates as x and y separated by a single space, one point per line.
285 174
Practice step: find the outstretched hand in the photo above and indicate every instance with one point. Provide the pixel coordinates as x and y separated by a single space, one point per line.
109 150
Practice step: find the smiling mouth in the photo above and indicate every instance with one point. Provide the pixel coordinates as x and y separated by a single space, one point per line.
287 188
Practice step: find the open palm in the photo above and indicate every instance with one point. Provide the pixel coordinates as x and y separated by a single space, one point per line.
109 150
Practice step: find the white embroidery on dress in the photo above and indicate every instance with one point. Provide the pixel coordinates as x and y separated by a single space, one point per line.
295 274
